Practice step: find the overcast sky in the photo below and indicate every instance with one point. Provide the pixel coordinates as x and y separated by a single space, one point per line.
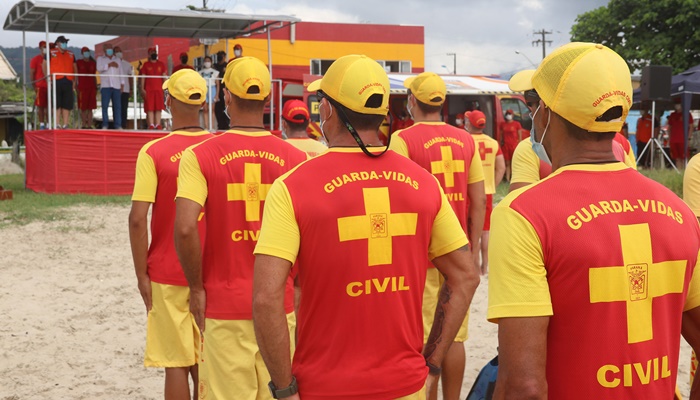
483 34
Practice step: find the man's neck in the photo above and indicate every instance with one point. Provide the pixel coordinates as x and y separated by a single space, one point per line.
345 139
298 135
247 122
432 117
583 152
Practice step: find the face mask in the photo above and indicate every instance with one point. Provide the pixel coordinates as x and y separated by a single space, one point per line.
323 133
409 108
119 55
167 107
154 56
109 52
43 50
509 117
207 64
86 54
63 45
459 122
537 147
237 53
226 108
678 107
183 60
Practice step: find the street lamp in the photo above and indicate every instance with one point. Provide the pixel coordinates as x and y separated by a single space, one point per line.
526 57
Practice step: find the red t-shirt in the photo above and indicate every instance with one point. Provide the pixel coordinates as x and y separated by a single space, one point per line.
239 168
36 64
164 153
510 132
433 146
643 133
619 251
86 67
156 68
675 122
338 319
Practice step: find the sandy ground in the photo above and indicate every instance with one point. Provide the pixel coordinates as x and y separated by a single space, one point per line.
75 323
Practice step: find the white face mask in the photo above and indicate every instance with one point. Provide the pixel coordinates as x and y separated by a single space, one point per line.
459 122
237 53
409 108
207 64
119 55
509 117
323 133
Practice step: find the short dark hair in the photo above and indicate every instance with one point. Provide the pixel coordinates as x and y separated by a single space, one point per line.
426 108
247 105
297 126
583 135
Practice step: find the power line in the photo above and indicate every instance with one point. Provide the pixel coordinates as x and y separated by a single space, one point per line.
542 41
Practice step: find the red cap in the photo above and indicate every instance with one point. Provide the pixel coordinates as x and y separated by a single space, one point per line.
181 54
295 111
237 46
460 116
150 49
477 119
42 44
52 45
509 111
84 49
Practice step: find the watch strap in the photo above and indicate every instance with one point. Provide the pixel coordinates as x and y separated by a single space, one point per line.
290 390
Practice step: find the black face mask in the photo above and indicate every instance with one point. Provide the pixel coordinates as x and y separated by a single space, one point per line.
183 60
154 56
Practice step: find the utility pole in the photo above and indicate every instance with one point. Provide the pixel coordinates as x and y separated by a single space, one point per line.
454 62
543 41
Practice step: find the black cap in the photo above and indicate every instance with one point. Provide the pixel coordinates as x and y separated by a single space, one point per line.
61 39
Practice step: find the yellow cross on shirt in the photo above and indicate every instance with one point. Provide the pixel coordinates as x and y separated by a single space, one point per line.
378 225
638 282
447 166
252 191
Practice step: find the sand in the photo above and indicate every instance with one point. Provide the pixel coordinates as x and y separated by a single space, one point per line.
75 323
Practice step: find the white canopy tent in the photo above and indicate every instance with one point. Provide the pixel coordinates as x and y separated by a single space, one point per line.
55 17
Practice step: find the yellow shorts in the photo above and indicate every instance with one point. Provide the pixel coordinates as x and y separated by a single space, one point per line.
433 283
419 395
172 336
231 365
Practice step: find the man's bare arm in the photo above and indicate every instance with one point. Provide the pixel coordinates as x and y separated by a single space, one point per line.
269 317
500 169
189 252
138 237
477 213
461 281
522 359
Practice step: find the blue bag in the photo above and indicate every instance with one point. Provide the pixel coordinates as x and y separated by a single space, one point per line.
485 382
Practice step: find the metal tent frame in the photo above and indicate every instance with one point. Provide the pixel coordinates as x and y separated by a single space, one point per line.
55 17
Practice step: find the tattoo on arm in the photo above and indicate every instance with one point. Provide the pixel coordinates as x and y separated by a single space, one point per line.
435 337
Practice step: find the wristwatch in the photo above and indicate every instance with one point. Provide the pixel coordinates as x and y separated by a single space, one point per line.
290 390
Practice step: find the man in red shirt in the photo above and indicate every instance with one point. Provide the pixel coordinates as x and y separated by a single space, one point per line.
183 63
679 142
230 176
450 154
172 337
592 269
643 136
36 73
87 87
151 88
381 219
510 137
63 63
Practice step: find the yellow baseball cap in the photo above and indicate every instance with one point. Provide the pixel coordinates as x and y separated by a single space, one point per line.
351 80
245 74
428 88
185 83
580 82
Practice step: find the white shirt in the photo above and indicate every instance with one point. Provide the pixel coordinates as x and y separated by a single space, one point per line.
209 73
109 76
126 69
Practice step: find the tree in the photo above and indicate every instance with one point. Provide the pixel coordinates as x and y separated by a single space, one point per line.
645 32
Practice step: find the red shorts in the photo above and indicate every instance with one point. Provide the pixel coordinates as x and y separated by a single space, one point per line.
154 100
87 98
487 216
677 150
42 97
508 150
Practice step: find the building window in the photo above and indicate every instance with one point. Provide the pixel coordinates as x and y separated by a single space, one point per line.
319 67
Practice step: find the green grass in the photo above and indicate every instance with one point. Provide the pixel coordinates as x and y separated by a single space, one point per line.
667 177
28 206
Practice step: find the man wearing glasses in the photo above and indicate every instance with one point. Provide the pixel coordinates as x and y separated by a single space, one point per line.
364 224
592 269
